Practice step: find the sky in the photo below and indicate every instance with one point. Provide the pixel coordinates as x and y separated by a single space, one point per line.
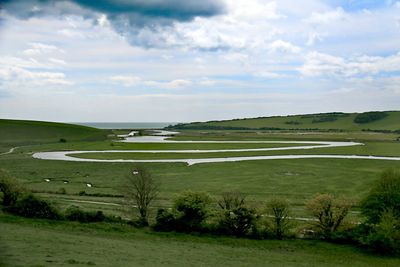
189 60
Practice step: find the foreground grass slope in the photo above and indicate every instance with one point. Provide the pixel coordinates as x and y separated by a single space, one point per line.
323 121
52 243
20 132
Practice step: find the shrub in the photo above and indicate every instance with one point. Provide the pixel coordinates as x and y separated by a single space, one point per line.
74 213
328 211
367 117
63 140
237 221
192 210
165 221
279 209
384 237
33 207
10 188
385 194
231 200
235 218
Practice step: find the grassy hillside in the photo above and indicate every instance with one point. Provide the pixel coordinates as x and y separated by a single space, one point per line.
21 132
52 243
388 121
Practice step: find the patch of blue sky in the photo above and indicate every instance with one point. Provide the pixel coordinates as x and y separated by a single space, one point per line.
357 5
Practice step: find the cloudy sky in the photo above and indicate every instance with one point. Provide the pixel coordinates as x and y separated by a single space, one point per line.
184 60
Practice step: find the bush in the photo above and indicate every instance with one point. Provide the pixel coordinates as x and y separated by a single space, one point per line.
384 237
74 213
33 207
165 221
384 195
10 188
237 221
329 212
63 140
369 116
279 209
235 218
192 210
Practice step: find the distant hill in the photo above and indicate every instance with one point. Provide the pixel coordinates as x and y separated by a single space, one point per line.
31 132
388 121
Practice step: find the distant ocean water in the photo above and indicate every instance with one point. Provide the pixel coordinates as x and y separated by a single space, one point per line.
127 125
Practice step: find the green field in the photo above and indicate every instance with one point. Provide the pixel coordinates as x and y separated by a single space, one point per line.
48 243
368 149
327 121
296 180
19 133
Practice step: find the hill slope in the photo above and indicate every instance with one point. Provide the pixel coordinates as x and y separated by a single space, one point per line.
30 132
377 121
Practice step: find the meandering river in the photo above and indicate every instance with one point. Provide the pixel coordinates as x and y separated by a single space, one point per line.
157 138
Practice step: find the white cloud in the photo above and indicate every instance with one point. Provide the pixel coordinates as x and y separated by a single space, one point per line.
20 76
317 64
268 75
40 49
132 81
103 21
326 17
253 9
180 83
283 47
57 61
126 80
236 58
314 37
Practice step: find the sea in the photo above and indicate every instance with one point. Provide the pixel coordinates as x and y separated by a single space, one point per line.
127 125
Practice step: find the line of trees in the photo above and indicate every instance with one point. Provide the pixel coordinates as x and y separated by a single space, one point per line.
233 215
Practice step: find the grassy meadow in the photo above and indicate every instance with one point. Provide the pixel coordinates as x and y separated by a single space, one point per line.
63 243
29 242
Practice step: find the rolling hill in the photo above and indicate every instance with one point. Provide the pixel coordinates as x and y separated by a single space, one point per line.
30 132
337 121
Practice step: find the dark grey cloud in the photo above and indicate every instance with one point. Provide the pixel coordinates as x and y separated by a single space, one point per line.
138 20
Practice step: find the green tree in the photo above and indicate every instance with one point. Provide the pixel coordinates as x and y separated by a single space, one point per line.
384 237
140 189
384 195
329 212
235 217
10 188
279 208
192 209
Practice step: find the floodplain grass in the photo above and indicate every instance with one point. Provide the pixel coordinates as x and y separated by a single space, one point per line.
367 149
296 179
63 243
32 242
261 180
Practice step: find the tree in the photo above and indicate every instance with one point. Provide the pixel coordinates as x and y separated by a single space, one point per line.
192 209
236 218
384 237
280 212
10 188
231 200
382 208
329 212
141 189
384 195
